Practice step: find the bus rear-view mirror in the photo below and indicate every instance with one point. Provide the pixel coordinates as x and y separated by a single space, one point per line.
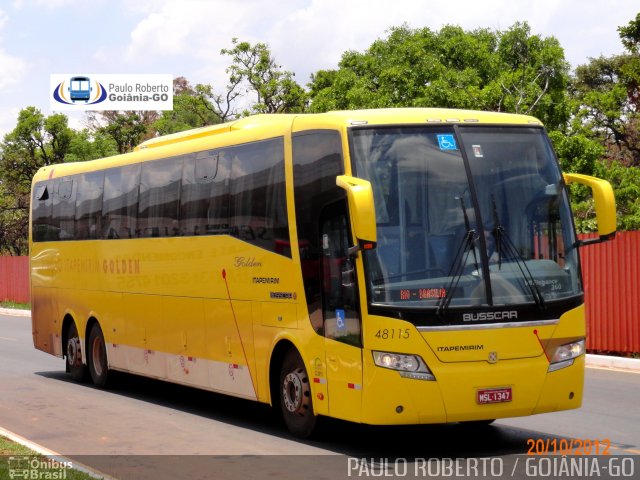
361 208
604 201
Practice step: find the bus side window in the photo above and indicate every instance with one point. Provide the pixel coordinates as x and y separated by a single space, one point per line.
89 206
159 198
64 207
204 197
41 206
120 200
258 207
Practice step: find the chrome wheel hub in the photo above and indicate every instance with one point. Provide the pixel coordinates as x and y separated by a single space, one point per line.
292 392
73 351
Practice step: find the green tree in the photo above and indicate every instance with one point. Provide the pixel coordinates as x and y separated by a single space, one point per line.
604 132
87 146
606 97
579 154
512 71
126 128
223 105
36 141
192 108
255 66
626 186
533 75
14 208
576 153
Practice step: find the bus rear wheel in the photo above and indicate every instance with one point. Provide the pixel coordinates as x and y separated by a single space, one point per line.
97 357
295 396
73 352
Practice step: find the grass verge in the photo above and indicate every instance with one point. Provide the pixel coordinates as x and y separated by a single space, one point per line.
17 461
19 306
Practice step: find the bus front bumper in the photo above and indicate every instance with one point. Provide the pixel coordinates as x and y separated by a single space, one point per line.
390 399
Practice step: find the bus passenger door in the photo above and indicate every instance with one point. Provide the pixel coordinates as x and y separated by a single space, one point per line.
341 316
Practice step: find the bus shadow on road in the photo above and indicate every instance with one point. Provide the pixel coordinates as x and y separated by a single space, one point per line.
341 437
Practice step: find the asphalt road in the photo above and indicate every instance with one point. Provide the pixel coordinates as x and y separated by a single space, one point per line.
123 430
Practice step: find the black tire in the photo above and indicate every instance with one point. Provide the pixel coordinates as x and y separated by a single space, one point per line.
73 354
97 357
295 396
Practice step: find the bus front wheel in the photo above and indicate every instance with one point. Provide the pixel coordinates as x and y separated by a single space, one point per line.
73 352
97 357
295 396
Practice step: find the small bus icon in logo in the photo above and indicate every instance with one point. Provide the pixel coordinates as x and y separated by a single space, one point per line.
19 467
79 89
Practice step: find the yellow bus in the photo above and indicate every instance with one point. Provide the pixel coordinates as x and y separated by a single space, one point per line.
392 266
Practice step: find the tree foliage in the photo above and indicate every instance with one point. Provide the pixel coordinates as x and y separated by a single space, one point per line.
192 108
579 154
37 141
606 95
511 71
605 130
126 128
14 228
256 84
85 146
275 89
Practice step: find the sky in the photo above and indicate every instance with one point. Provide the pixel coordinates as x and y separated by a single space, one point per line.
184 37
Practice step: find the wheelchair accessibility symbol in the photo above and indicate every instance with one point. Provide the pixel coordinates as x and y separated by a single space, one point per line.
340 325
447 142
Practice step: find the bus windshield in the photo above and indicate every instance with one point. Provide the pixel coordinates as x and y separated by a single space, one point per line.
472 216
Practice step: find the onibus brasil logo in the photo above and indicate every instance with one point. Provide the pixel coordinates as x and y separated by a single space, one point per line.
80 90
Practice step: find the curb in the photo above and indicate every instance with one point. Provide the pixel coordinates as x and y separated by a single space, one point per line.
14 437
14 312
617 363
39 449
593 361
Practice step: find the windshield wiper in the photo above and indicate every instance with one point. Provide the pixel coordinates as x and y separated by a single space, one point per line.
504 243
459 261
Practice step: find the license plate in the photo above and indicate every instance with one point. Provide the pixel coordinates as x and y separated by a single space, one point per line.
494 395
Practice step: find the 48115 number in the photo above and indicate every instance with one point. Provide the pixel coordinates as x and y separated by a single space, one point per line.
392 333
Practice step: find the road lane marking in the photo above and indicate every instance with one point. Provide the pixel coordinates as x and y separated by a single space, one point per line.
10 339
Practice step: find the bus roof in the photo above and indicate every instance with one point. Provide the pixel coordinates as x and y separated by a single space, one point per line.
383 116
269 125
262 120
347 118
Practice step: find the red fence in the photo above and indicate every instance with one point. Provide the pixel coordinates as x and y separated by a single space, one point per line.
611 273
14 279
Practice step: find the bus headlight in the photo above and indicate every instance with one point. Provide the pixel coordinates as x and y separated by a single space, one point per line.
565 354
409 366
